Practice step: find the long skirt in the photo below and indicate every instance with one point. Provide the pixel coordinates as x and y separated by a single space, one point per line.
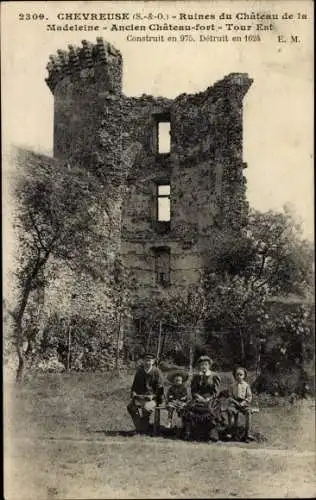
203 417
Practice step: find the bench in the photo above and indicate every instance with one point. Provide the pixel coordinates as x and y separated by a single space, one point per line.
157 416
160 408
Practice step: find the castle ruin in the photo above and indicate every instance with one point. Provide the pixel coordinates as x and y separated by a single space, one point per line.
182 188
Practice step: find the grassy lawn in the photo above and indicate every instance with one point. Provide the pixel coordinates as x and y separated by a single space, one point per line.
63 441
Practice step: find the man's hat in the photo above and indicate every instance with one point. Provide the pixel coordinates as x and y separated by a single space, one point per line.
178 373
149 355
205 358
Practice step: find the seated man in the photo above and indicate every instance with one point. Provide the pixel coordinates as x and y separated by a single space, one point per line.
146 392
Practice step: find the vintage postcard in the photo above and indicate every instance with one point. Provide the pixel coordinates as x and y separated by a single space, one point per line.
158 249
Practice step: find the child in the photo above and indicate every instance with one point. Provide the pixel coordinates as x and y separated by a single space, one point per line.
177 395
239 401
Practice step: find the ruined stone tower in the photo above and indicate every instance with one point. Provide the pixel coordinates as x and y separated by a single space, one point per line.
81 79
179 197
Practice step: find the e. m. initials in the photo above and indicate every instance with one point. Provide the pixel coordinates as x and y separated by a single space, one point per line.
292 39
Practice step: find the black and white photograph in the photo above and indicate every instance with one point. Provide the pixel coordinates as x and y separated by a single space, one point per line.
158 249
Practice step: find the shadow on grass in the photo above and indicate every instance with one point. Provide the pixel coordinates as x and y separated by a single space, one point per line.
114 433
177 433
163 432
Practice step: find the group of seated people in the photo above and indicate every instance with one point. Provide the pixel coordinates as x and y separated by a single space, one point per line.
205 409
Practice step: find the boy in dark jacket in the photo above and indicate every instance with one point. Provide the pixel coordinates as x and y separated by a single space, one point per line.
146 392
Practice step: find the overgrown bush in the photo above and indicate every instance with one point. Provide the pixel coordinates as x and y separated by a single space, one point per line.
288 351
78 343
280 350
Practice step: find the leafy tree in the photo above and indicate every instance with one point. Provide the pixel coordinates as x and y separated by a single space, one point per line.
288 348
283 259
63 214
180 310
247 269
57 213
270 253
235 312
190 308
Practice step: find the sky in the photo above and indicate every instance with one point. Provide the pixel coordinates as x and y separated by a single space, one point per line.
278 118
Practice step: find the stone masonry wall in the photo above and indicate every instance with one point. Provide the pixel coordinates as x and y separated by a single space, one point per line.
204 169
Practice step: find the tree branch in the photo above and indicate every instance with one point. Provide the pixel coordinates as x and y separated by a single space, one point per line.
37 231
39 263
264 256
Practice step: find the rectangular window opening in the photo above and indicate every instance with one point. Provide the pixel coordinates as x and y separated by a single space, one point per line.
164 139
162 266
163 199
